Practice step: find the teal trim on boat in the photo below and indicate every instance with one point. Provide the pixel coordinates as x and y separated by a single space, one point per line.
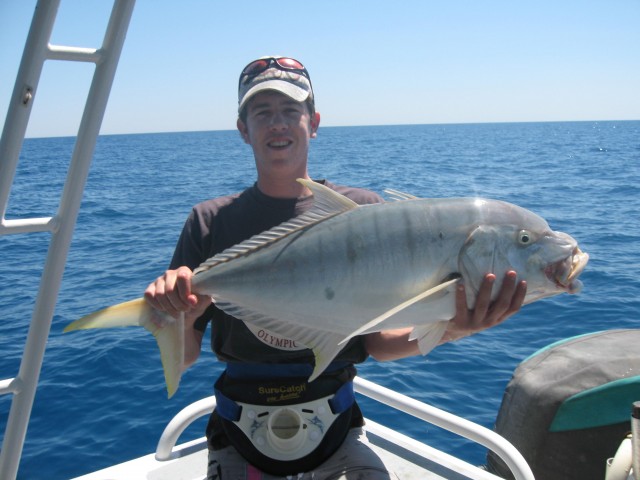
559 342
600 406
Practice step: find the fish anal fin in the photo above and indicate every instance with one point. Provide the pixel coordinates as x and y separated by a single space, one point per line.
325 348
323 343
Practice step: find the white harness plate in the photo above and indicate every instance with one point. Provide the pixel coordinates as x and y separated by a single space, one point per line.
286 432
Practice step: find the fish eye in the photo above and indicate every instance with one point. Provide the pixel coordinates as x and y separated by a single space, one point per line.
525 237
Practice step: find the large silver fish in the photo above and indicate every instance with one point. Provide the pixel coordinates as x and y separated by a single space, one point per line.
341 270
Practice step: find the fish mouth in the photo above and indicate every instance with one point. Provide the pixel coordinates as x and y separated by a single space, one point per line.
565 273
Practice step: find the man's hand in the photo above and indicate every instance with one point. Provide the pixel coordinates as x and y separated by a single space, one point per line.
171 293
486 313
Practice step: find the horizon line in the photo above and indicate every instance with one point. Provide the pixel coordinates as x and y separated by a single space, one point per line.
349 126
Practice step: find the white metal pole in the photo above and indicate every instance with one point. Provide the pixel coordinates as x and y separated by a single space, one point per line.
24 90
66 218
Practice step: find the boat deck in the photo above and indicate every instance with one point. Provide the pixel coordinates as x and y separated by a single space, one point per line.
408 458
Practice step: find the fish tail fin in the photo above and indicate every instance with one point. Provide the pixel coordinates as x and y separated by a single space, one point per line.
168 332
122 315
170 339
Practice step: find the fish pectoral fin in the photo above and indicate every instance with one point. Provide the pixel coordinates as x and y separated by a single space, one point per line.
369 326
168 332
428 336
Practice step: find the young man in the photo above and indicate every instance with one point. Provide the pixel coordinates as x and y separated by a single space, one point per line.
266 375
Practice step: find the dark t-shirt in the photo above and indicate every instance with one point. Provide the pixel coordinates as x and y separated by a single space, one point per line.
220 223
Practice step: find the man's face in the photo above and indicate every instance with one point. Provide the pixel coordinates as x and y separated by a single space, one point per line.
278 129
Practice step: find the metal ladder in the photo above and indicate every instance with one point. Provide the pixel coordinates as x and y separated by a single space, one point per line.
61 226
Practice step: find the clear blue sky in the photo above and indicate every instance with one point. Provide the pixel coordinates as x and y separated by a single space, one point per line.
372 62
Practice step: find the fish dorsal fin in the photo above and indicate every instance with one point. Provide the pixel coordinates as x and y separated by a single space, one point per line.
327 203
397 195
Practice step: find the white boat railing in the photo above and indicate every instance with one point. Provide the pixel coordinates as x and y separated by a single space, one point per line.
465 428
61 226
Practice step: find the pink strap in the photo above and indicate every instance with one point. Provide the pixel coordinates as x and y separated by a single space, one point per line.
253 473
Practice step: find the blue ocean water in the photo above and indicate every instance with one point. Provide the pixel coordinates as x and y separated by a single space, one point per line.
102 398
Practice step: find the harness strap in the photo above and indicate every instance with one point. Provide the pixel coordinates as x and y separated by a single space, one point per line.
343 399
340 402
277 370
227 408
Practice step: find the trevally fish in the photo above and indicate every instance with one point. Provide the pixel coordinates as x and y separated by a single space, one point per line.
341 270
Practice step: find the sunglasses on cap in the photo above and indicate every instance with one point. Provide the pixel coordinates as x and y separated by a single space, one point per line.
285 64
